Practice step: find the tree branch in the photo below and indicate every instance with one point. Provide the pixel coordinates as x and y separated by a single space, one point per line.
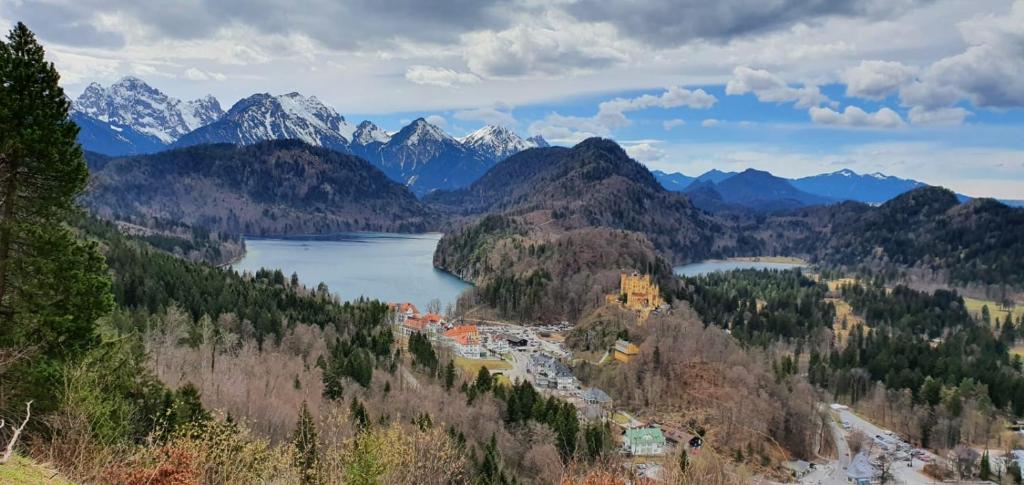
17 433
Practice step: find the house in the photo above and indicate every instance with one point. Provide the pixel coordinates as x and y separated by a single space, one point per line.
798 468
403 311
498 344
625 351
596 403
644 441
465 340
549 373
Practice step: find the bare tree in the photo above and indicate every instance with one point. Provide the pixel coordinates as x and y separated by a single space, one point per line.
17 433
857 440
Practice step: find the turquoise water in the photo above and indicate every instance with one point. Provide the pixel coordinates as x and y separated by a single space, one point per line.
388 267
705 267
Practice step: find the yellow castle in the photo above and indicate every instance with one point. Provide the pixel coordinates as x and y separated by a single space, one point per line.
638 293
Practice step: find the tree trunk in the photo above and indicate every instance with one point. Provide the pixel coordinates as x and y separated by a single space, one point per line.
6 233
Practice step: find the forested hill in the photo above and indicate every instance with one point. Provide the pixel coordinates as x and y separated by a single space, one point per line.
926 231
562 223
594 184
270 188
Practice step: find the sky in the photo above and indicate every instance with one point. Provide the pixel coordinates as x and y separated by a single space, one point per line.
925 89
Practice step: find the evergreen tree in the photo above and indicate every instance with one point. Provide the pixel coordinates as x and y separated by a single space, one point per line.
52 286
985 469
359 415
483 380
684 462
304 439
489 470
449 375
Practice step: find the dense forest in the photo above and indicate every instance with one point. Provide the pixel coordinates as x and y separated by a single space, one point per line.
924 234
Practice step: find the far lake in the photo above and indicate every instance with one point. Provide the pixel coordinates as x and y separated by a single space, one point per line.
705 267
388 267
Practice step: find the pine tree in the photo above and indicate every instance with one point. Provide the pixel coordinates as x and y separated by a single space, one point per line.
483 380
304 439
52 286
985 469
449 375
684 462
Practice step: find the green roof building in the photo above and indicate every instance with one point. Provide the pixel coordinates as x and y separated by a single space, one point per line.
644 441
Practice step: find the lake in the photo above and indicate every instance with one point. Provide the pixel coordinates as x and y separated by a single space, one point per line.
388 267
704 267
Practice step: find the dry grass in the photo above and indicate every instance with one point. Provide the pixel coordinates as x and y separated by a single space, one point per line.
974 306
472 366
834 285
843 310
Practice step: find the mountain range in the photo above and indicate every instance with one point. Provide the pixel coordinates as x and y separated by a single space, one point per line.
130 118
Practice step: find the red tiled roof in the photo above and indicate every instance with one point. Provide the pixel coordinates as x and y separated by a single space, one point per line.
405 308
416 324
432 317
461 330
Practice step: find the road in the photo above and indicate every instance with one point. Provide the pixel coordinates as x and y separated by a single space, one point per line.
834 472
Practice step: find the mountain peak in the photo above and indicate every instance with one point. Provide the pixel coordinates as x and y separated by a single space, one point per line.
132 102
367 132
499 142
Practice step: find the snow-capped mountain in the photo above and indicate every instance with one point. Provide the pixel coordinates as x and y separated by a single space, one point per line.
425 158
265 117
367 133
846 184
499 143
132 103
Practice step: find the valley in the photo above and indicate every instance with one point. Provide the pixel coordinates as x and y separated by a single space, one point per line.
274 293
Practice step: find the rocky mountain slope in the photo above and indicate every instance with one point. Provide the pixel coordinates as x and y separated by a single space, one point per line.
263 117
131 116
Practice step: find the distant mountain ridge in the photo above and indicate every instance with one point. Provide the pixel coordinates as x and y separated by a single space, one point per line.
845 184
751 189
132 118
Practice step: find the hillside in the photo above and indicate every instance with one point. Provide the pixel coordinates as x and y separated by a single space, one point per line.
562 223
848 185
926 233
270 188
594 184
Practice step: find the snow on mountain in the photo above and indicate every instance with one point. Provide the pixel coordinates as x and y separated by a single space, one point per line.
498 142
367 133
846 184
265 117
133 103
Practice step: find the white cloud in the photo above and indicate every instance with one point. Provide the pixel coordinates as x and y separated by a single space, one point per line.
854 116
437 120
611 114
438 76
710 123
920 115
200 75
669 124
876 79
989 73
770 88
552 45
645 152
497 115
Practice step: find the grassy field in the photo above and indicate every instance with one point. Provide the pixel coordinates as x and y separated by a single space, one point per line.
843 310
974 308
23 471
472 366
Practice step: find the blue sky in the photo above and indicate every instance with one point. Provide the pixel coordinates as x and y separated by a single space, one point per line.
926 89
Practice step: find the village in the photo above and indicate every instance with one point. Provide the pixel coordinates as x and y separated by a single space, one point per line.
537 354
